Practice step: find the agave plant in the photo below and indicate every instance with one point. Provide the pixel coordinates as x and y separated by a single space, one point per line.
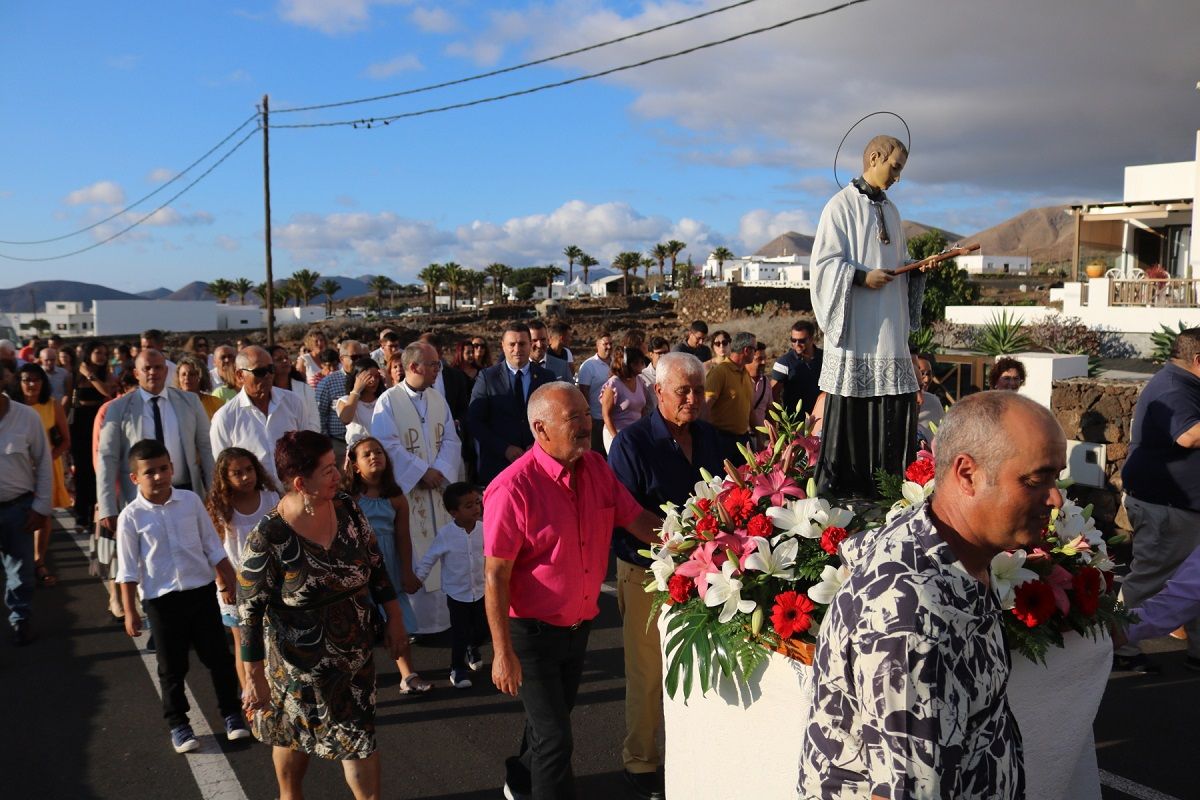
1164 340
924 340
1002 335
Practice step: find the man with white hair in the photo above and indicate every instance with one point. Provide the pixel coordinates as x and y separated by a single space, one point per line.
259 415
412 421
911 671
548 520
658 459
60 379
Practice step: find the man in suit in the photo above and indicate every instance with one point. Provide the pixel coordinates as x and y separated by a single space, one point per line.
539 352
152 411
497 413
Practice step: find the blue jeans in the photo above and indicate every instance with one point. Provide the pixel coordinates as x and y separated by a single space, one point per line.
16 547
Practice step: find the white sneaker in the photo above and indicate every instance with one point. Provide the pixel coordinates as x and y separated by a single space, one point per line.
459 682
474 660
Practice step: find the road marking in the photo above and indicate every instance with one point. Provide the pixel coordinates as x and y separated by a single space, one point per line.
1132 789
210 767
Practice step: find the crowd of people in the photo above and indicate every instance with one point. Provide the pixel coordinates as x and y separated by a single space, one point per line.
311 505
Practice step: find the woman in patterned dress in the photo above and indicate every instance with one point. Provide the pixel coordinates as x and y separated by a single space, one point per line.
311 575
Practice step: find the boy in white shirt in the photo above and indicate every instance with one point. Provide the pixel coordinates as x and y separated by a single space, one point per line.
459 546
168 551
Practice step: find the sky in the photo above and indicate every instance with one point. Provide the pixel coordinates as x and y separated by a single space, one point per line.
1011 105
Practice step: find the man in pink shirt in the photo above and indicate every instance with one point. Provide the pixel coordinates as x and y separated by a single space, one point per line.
547 526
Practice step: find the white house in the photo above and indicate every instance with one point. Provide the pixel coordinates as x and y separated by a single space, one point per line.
125 317
987 264
788 270
66 318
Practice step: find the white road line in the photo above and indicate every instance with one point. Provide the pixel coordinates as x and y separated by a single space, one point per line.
210 767
1132 789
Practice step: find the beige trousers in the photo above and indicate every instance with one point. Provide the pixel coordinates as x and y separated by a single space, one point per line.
643 671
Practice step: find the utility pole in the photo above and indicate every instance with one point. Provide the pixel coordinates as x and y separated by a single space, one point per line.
270 293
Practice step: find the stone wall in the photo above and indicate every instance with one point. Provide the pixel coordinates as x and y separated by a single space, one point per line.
719 303
1100 410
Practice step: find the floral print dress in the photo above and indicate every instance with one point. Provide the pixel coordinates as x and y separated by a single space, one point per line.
911 677
311 612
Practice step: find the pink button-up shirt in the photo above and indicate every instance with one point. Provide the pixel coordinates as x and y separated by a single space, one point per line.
557 529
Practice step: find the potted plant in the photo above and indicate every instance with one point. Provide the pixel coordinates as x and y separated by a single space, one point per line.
1096 269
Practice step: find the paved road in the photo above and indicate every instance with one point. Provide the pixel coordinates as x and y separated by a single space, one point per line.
83 719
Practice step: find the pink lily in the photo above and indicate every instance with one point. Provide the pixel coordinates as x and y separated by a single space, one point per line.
1060 581
776 486
811 446
705 559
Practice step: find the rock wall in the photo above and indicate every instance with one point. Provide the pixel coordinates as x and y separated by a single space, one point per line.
719 303
1100 410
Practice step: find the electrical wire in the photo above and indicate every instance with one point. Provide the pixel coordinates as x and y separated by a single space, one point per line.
370 122
138 222
144 198
527 64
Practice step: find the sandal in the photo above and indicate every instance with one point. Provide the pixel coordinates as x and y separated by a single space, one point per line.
44 576
414 684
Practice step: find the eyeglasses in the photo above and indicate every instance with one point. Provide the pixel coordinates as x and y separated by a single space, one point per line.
720 342
800 341
260 372
478 345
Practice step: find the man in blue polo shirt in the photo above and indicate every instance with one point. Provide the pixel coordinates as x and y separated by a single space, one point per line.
658 458
1162 488
794 376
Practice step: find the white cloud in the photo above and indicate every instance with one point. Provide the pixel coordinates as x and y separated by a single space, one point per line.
160 175
434 20
760 226
227 243
386 69
363 240
331 16
99 193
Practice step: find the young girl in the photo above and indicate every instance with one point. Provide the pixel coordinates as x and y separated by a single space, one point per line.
370 481
242 494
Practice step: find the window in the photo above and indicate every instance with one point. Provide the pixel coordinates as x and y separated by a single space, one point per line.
60 327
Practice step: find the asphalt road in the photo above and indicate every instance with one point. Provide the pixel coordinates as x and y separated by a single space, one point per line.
83 719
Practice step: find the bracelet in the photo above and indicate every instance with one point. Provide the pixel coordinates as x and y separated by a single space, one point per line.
355 395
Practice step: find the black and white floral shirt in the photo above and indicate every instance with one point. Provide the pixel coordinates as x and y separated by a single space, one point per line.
911 674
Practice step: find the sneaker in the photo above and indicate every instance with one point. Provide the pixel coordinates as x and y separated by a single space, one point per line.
235 728
474 660
459 681
517 785
183 740
512 794
1138 664
414 684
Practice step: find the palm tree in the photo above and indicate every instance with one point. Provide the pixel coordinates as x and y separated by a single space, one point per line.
626 262
304 285
572 253
242 287
661 254
260 291
721 255
431 276
551 272
587 262
498 273
647 262
283 294
474 281
674 248
221 289
453 274
329 287
379 284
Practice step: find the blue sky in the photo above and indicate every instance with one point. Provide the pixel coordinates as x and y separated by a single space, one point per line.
1012 105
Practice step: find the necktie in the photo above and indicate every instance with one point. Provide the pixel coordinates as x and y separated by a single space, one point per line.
518 388
158 426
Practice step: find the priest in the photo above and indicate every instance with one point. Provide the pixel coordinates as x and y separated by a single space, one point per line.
412 421
866 313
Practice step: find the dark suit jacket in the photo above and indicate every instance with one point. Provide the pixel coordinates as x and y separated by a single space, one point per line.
458 391
496 419
559 367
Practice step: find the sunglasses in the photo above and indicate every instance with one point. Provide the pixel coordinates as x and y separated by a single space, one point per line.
799 341
720 342
260 372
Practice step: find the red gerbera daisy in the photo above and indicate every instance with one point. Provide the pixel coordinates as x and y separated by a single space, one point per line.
1034 603
739 503
792 614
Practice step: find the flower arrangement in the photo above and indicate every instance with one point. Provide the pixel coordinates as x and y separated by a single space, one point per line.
1065 583
749 564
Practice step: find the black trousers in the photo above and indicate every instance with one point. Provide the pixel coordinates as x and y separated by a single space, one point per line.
182 621
551 667
862 435
468 628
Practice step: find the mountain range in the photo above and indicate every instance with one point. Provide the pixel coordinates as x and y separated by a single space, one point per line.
1045 234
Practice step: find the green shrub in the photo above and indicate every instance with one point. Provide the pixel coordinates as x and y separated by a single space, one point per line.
1003 335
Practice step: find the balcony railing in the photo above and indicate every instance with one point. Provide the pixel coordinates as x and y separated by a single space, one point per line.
1172 293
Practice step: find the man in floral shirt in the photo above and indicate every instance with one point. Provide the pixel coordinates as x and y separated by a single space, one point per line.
911 668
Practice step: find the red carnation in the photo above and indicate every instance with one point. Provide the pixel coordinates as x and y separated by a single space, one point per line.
792 614
704 505
760 525
1034 603
831 537
920 471
706 527
1087 583
739 502
680 587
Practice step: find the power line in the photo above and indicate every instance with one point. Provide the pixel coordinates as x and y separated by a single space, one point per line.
372 121
144 198
527 64
137 222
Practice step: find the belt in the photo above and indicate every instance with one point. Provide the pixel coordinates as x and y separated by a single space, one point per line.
18 499
540 624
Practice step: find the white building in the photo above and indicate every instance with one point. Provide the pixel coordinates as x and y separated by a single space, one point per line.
779 271
66 318
983 264
126 317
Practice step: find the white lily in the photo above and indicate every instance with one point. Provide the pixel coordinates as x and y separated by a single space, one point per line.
1071 523
672 524
662 566
709 488
1008 572
832 579
1099 559
777 562
915 493
809 517
726 591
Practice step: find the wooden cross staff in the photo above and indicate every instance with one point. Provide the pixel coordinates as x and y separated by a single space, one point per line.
934 260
